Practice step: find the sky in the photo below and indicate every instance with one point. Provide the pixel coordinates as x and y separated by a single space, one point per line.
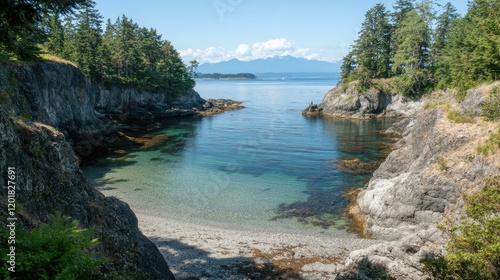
219 30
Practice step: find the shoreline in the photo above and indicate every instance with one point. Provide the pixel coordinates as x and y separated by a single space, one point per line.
197 250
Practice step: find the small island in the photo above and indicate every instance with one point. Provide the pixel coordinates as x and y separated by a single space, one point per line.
217 76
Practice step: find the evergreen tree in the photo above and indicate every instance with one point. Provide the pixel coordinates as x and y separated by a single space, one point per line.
442 34
443 27
88 41
55 35
401 9
472 53
373 48
412 56
348 67
20 30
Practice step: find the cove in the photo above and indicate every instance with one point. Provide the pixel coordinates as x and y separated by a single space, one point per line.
265 167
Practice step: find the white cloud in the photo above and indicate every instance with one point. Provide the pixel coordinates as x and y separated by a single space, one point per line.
245 52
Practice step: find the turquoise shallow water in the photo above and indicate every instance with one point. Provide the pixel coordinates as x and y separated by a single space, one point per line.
251 168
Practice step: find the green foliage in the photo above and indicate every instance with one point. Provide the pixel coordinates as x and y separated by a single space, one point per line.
471 55
373 47
459 117
442 164
426 51
491 106
474 247
491 146
87 45
139 56
20 21
57 250
72 30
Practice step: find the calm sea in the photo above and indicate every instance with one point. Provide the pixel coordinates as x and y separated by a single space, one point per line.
262 167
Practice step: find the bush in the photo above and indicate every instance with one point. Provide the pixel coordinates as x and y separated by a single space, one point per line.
474 247
57 250
491 107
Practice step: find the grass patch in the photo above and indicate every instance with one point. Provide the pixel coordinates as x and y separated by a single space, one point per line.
491 146
456 116
53 58
431 104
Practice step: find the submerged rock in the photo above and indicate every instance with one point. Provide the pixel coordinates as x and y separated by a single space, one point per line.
356 166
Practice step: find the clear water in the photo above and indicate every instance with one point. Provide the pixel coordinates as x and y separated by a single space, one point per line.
235 169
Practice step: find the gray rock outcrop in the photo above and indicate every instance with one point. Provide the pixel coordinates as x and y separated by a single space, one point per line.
46 110
420 185
130 104
49 179
355 105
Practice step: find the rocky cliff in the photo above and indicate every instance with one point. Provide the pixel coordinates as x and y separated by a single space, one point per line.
421 184
49 180
46 110
375 103
128 104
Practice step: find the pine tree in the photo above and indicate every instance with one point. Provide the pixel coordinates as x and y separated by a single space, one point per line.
442 34
55 35
20 31
373 48
348 67
412 56
401 9
473 49
88 41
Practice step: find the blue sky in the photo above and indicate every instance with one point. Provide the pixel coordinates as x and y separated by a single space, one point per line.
218 30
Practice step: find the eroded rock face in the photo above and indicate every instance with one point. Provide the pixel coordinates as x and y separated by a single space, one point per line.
55 94
49 180
425 177
132 104
46 110
355 105
420 185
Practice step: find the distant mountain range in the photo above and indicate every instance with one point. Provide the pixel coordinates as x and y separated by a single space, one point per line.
277 64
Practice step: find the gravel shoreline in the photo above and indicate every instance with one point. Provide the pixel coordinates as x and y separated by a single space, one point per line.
196 251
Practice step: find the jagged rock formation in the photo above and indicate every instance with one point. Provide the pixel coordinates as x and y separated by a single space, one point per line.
350 103
55 94
46 111
49 180
132 104
420 185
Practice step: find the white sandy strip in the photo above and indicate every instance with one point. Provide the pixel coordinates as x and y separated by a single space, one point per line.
207 252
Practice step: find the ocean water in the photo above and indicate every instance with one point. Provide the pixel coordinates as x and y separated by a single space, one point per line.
263 167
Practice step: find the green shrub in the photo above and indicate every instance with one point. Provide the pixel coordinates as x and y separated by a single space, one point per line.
456 116
491 106
57 250
442 164
474 247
